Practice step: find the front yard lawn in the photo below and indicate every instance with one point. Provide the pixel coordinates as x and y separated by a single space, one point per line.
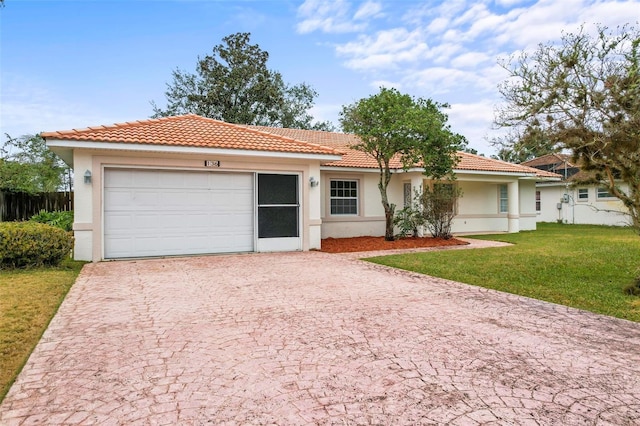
28 300
582 266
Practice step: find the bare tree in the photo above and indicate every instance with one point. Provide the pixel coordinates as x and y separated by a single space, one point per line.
583 94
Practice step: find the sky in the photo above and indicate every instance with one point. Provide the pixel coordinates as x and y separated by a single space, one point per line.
80 63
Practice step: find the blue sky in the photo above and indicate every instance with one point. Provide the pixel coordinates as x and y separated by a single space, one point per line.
73 64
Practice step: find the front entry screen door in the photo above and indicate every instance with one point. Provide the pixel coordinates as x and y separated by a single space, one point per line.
278 212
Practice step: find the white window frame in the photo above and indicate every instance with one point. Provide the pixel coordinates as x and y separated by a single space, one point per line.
332 197
581 192
503 197
538 202
600 193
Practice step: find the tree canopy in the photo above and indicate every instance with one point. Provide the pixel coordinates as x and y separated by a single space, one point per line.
391 124
27 165
521 146
235 85
583 95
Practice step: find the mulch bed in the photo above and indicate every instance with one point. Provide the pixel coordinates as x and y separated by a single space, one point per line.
348 245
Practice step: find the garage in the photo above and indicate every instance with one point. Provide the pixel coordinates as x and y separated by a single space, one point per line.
190 185
151 212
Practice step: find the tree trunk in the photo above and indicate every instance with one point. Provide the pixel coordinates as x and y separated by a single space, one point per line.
389 209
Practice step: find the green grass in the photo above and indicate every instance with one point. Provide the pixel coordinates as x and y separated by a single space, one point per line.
582 266
28 300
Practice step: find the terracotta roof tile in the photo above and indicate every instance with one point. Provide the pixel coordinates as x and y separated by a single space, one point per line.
477 162
190 131
194 131
358 159
549 160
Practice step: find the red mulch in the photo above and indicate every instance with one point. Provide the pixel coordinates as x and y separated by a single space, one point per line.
345 245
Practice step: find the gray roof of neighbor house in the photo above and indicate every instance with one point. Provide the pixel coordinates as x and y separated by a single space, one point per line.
556 163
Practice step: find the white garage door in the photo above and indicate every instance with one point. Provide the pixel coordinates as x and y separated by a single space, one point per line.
160 213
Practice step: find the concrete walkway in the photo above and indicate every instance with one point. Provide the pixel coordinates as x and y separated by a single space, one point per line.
315 338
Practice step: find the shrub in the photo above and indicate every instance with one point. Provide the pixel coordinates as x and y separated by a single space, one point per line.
408 220
59 219
27 244
439 208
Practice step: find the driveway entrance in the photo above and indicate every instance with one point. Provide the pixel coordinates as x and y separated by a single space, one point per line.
304 338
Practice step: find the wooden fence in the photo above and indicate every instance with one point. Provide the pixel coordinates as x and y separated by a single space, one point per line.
21 206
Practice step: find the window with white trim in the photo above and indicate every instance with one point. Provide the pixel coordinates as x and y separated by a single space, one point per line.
344 197
538 203
503 196
603 193
583 194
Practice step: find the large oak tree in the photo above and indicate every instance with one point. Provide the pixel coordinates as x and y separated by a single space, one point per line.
235 85
391 124
583 94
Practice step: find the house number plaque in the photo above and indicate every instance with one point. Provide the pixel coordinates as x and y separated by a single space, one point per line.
211 163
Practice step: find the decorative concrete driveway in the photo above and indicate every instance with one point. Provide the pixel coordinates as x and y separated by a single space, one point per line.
315 338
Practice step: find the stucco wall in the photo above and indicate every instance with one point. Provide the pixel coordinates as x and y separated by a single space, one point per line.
478 208
83 206
370 217
88 202
593 210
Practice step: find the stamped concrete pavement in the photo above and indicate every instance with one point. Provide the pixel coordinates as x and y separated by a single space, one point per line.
315 338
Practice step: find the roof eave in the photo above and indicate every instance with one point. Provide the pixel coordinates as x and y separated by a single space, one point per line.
484 172
520 175
62 144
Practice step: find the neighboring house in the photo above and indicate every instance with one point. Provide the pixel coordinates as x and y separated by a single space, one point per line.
568 201
192 185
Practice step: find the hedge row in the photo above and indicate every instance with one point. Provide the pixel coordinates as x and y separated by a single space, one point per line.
28 244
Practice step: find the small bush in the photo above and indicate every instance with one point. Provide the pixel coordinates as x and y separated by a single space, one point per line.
28 244
59 219
439 208
408 220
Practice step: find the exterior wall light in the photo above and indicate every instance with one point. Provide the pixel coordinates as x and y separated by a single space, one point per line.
313 182
87 177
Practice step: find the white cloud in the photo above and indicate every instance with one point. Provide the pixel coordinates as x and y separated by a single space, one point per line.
470 60
437 26
385 50
332 17
326 112
611 13
510 3
442 53
475 112
472 14
370 9
473 120
440 80
29 107
546 20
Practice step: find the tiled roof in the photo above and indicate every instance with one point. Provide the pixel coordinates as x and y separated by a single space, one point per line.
194 131
549 160
358 159
477 162
190 131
